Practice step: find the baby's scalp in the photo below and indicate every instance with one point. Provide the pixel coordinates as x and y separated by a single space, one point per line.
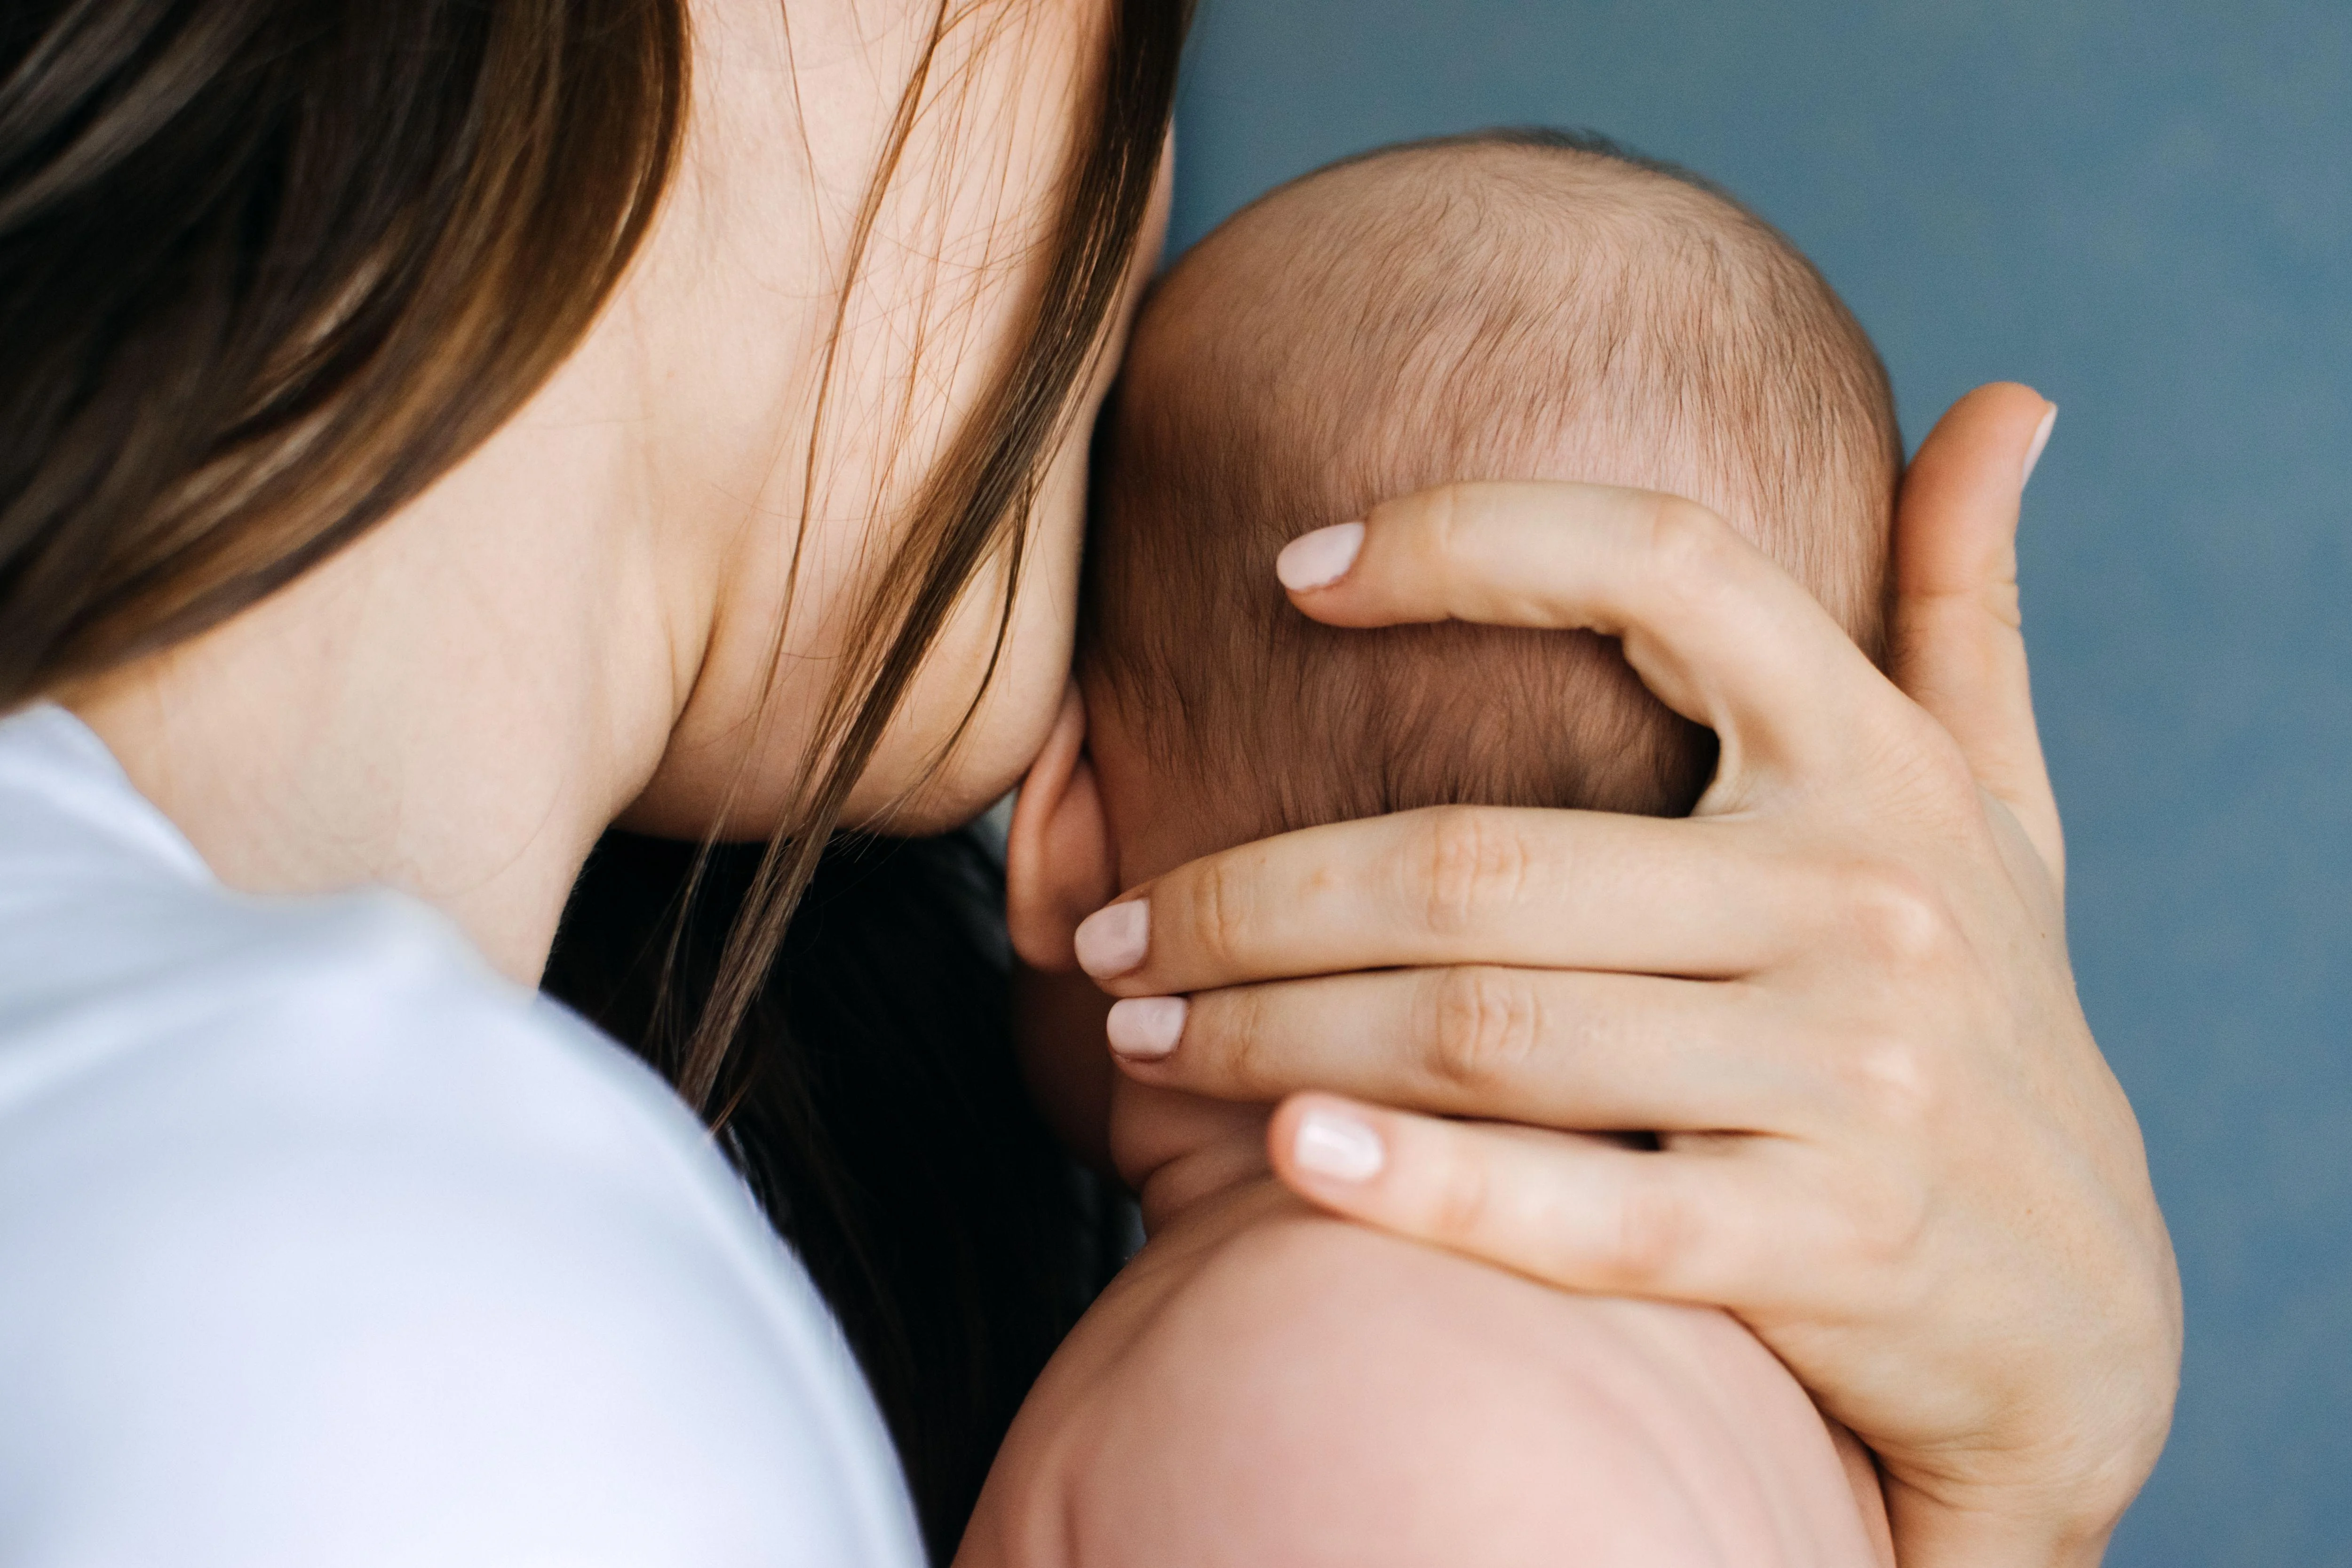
1509 305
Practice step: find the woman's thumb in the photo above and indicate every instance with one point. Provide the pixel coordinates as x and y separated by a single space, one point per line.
1955 644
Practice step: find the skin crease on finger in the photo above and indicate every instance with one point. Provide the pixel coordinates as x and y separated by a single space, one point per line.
578 624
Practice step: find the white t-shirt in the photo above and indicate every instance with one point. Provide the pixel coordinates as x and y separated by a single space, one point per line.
323 1245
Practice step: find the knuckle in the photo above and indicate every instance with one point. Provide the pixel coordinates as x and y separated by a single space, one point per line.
1895 1081
1441 521
1486 1026
1219 909
1656 1229
1690 567
1237 1041
1688 543
1683 528
1462 1198
1900 917
1884 1222
1470 864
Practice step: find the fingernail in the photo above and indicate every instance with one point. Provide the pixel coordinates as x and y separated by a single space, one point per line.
2032 453
1339 1146
1146 1028
1114 941
1319 559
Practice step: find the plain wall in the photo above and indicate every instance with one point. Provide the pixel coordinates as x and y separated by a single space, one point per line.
2141 207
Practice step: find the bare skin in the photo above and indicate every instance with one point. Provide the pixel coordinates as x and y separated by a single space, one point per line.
573 627
1268 1384
576 626
1891 1141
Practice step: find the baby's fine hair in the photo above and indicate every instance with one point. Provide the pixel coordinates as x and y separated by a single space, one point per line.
1512 304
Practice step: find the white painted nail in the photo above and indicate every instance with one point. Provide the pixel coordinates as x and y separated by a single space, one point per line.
1113 940
1319 559
1340 1147
1146 1028
2041 440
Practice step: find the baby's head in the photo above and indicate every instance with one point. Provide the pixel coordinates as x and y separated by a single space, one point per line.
1506 306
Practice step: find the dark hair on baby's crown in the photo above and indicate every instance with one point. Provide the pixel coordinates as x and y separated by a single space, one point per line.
1512 304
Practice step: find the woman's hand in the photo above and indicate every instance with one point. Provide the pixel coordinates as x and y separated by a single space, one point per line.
1839 992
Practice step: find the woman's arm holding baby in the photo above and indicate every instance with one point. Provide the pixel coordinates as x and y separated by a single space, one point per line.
1840 991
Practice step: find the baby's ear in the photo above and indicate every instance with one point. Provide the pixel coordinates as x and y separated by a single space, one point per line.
1058 866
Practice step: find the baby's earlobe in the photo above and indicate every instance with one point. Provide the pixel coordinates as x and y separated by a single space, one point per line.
1057 856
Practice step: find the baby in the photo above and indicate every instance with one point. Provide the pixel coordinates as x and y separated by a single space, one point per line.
1263 1385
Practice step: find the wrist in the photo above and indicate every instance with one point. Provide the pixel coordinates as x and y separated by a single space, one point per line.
2057 1506
1929 1533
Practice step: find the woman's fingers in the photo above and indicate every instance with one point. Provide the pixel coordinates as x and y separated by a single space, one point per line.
1453 885
1921 1187
1712 625
1956 648
1561 1047
1586 1214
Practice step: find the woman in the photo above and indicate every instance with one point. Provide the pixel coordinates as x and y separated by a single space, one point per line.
434 433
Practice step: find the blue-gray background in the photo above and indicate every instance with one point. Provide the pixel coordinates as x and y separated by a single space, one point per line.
2144 208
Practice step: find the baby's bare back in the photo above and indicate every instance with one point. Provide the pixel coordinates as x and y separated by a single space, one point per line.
1267 1386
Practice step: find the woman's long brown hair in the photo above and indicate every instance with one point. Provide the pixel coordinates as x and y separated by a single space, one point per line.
975 501
269 267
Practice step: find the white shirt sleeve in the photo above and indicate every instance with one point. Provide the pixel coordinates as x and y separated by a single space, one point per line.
361 1260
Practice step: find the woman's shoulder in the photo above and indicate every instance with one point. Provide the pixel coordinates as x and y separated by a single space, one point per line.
130 978
318 1242
133 983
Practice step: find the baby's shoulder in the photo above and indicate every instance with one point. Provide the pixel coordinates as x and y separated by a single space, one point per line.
1348 1397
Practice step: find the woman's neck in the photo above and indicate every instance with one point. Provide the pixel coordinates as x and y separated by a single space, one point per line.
460 704
455 706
